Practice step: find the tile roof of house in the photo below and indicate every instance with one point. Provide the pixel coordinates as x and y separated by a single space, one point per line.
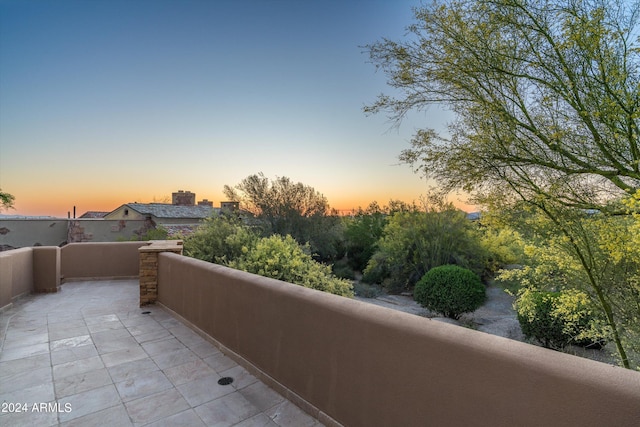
179 230
164 210
93 214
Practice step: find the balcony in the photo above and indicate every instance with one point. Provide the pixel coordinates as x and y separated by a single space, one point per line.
83 343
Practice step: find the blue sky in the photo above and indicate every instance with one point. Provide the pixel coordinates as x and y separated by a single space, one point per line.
107 102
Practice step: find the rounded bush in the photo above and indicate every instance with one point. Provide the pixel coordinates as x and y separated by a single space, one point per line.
450 290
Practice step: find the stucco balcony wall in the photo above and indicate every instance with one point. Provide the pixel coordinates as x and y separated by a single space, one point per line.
105 260
363 365
16 274
352 363
44 268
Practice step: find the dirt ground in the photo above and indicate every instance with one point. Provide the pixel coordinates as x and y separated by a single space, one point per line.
496 317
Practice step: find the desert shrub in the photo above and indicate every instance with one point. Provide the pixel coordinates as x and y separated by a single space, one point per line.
557 319
504 246
366 290
450 290
362 232
284 259
342 270
219 240
377 269
414 242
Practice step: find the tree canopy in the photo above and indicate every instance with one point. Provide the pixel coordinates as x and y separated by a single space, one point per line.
545 93
6 200
279 198
289 208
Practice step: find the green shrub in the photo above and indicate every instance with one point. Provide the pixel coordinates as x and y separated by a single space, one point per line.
557 319
284 259
415 242
362 233
377 269
219 240
367 291
450 290
342 270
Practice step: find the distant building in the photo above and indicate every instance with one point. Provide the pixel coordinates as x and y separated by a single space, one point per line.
231 206
182 216
183 198
128 221
163 213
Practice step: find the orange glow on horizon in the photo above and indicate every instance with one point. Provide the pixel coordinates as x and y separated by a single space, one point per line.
61 205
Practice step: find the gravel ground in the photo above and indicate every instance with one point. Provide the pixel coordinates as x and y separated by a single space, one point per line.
496 317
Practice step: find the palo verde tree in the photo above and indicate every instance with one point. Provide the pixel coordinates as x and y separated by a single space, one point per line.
547 103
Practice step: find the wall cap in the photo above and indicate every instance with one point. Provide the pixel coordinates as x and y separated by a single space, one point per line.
162 246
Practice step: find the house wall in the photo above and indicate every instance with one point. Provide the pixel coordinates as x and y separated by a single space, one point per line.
119 213
364 365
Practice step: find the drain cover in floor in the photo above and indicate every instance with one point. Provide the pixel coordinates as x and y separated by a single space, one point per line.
225 380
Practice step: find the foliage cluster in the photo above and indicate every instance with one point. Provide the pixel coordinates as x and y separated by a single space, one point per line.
545 94
413 242
450 290
284 259
220 239
228 241
361 235
6 200
594 254
287 208
558 319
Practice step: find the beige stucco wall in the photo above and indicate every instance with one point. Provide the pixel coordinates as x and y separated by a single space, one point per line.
16 274
46 268
42 268
20 233
100 230
100 260
365 365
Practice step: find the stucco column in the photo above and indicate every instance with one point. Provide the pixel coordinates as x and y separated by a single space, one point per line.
149 267
46 269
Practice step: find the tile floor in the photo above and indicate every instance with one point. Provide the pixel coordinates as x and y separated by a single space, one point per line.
88 356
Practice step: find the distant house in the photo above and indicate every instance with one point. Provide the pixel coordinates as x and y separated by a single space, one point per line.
181 216
163 213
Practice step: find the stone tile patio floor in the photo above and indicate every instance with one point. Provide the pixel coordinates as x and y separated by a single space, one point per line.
95 359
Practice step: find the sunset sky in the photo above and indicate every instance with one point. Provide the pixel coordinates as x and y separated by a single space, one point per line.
105 102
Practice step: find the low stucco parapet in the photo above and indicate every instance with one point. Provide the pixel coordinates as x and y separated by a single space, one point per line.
364 365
